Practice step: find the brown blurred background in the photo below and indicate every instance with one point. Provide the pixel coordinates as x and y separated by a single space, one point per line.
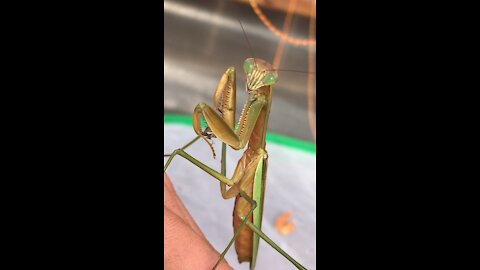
203 38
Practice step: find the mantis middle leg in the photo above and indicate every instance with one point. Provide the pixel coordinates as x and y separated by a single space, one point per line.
242 171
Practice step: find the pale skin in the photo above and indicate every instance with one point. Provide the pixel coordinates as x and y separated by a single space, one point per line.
185 245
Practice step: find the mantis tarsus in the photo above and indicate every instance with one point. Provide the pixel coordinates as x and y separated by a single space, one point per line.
247 184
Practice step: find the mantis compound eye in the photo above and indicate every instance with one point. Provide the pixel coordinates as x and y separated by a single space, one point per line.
248 65
270 79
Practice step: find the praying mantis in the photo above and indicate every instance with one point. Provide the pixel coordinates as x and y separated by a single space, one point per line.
247 185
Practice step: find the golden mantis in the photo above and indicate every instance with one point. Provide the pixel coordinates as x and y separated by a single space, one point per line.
247 184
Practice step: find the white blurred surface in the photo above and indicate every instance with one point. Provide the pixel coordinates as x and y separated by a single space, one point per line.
290 187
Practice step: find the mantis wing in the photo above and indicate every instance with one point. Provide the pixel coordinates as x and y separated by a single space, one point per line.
258 195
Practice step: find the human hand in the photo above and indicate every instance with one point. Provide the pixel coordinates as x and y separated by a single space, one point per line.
185 245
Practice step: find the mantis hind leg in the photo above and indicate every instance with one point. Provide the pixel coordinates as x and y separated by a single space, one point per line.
237 232
259 232
199 164
238 189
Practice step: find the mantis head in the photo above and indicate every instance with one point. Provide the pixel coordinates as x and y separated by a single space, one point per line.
259 73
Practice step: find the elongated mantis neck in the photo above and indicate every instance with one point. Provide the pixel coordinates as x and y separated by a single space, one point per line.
259 134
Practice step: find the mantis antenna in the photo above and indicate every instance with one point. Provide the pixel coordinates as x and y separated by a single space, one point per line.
248 42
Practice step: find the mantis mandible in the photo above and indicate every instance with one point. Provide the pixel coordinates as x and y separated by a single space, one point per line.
247 184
